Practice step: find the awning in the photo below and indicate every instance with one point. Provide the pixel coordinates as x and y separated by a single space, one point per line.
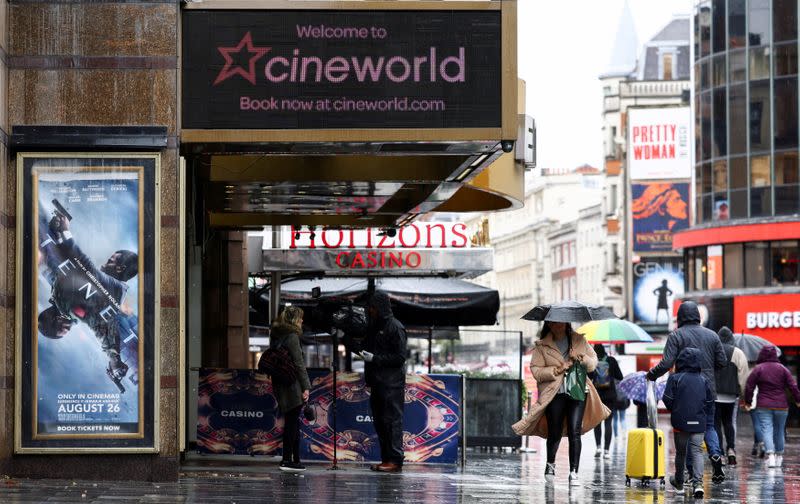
425 302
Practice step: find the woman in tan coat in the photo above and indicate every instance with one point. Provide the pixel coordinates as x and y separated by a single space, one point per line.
555 352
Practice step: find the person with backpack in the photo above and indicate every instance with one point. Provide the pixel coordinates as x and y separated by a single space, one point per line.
730 381
603 377
290 381
773 379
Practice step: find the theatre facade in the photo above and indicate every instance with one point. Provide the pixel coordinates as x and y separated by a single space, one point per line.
140 141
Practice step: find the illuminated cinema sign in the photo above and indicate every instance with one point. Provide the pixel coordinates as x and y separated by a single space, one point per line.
341 69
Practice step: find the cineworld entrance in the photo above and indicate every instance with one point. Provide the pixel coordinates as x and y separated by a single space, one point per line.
183 171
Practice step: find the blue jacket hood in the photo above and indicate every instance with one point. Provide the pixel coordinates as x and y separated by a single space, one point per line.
688 361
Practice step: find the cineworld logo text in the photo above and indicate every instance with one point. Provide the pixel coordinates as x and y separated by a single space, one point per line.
773 320
296 66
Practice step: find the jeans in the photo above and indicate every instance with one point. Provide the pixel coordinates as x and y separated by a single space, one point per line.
694 441
387 416
724 423
618 423
291 435
598 431
772 423
757 435
564 408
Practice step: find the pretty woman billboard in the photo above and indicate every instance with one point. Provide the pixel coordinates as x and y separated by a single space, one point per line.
341 69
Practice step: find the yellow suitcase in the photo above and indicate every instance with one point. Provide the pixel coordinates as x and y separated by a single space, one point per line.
645 459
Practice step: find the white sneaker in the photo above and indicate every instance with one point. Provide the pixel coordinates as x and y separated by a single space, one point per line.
778 460
607 455
574 480
598 453
771 462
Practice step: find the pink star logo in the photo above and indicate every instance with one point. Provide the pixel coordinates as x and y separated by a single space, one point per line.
231 68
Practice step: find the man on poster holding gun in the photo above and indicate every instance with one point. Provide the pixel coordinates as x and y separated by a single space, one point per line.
83 292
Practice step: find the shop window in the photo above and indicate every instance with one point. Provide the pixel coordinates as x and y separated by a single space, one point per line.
737 106
760 186
733 265
784 20
736 23
759 17
786 120
759 116
759 63
720 125
700 269
786 59
787 183
785 258
756 263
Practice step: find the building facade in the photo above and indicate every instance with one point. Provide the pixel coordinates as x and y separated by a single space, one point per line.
653 75
742 252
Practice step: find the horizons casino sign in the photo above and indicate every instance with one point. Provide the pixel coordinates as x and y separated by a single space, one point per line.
341 69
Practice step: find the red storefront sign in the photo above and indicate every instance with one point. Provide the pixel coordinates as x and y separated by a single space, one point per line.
773 317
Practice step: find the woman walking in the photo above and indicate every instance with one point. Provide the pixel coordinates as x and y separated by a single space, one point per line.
556 412
604 379
772 407
285 333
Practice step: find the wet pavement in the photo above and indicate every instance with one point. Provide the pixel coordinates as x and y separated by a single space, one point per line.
488 478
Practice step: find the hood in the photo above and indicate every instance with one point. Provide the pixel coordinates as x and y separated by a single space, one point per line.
688 313
688 360
768 354
380 301
600 350
279 330
726 335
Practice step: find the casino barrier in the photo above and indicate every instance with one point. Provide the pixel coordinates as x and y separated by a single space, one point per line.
237 414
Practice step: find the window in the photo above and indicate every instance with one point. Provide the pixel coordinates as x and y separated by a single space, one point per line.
733 265
756 264
759 32
720 126
737 104
718 71
759 116
785 258
759 63
738 66
760 186
736 23
786 59
721 209
787 183
718 25
738 188
786 120
699 269
784 20
666 66
705 124
704 21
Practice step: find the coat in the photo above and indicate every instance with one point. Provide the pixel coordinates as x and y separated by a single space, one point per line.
386 339
772 379
290 396
688 394
544 360
691 334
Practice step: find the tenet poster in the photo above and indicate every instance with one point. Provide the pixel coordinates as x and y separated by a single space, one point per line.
88 280
658 210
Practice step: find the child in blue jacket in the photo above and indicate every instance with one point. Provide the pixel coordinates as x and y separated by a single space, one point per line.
688 396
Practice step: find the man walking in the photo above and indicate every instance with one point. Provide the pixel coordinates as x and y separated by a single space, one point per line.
384 371
731 382
690 334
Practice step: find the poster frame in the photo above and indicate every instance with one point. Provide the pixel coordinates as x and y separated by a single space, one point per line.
102 445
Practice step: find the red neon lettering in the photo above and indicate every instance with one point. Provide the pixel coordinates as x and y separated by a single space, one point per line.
416 240
295 232
442 241
339 259
381 244
395 259
454 243
416 256
358 261
372 260
325 239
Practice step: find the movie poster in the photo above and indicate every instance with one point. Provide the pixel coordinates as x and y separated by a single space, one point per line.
90 343
657 282
658 211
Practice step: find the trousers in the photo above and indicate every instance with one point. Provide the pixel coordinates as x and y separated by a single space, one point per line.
607 425
387 416
291 435
694 442
564 408
724 423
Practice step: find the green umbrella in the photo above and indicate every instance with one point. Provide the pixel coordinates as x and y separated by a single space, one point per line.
614 331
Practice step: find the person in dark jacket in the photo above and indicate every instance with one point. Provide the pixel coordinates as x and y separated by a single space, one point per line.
384 371
604 378
690 400
730 382
285 333
690 334
772 407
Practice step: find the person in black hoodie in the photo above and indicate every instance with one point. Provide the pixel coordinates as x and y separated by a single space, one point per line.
689 397
384 371
604 379
712 356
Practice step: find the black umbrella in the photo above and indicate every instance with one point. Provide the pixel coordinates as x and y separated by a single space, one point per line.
569 311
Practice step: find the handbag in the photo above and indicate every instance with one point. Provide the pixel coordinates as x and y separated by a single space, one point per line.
278 364
575 382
